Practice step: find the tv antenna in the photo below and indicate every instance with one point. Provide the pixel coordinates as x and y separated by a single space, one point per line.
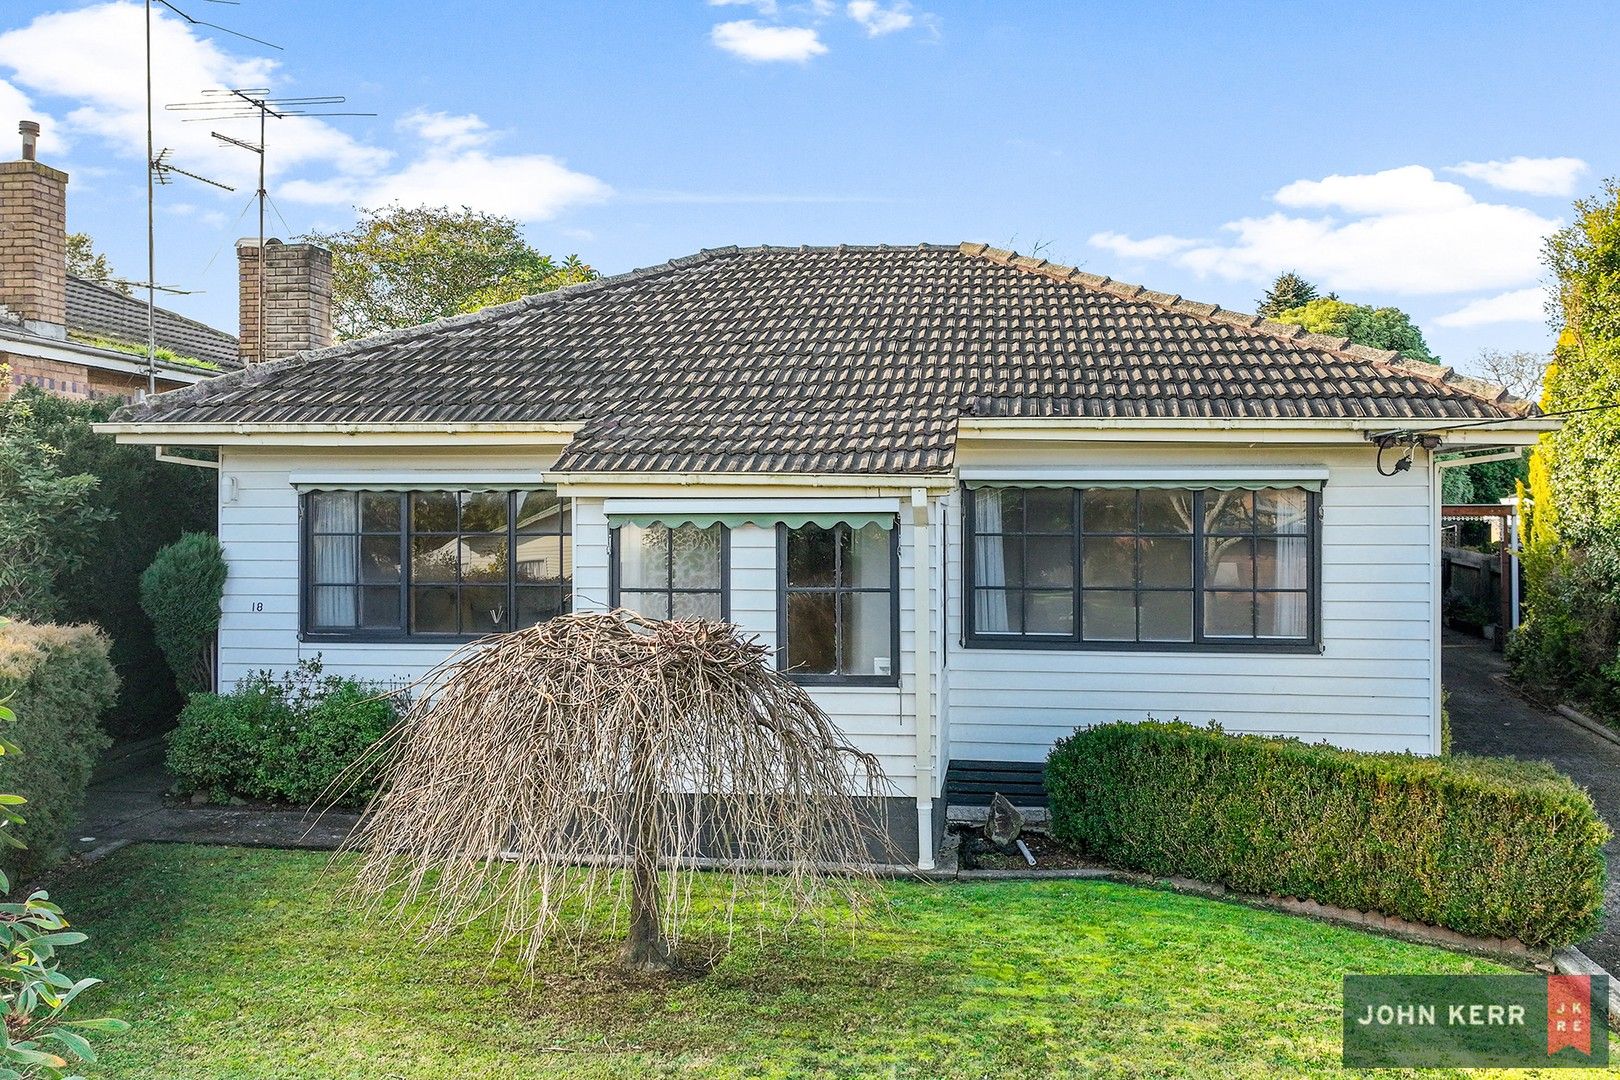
246 103
158 170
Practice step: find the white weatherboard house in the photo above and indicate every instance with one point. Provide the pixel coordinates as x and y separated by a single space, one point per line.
973 500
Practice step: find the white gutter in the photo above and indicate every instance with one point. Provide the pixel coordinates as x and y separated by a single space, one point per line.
349 434
1090 429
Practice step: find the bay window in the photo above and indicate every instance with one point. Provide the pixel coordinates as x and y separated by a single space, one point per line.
1149 567
381 565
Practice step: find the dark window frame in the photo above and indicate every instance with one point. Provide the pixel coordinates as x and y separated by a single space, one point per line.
783 591
308 631
1201 642
615 571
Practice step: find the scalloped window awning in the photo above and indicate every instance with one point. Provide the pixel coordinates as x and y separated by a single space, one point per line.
765 513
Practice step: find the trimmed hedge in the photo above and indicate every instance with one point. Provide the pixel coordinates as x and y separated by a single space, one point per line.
284 739
59 682
1490 847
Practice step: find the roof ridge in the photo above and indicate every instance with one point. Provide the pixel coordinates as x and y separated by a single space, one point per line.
1436 374
167 311
249 375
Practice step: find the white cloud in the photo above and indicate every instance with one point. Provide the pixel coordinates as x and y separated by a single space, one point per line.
1399 231
1149 247
877 20
1533 176
14 106
92 59
1520 305
447 132
762 44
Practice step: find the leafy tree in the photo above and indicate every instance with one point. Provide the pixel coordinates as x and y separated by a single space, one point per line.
84 261
1287 292
403 266
1583 457
46 516
181 592
145 504
1378 328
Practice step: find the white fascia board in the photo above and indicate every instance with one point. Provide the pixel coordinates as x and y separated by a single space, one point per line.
1166 471
73 352
708 505
435 479
1205 429
343 435
760 485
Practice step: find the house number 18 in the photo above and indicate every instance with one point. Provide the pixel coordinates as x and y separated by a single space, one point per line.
258 605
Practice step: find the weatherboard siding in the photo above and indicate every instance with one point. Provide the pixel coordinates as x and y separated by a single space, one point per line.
1371 687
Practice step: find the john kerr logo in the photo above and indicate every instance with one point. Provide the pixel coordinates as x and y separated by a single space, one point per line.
1475 1021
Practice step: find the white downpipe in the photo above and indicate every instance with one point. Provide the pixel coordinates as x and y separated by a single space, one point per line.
1435 599
922 691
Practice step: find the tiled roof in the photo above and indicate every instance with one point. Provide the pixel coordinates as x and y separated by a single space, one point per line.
96 311
847 359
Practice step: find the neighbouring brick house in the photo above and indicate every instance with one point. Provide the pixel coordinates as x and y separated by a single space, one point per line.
79 339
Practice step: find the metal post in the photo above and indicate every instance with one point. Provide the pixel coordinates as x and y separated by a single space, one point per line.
260 357
151 229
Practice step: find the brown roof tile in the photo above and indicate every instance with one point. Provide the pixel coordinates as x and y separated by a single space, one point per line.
848 359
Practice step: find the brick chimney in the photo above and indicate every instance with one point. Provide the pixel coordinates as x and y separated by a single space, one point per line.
33 239
297 298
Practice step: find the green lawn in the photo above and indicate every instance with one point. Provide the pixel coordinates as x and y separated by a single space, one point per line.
245 963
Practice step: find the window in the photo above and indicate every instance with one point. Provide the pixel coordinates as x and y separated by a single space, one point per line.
446 564
671 573
1149 567
838 611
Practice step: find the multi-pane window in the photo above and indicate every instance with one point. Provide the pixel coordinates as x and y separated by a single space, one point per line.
434 563
669 572
1153 566
838 609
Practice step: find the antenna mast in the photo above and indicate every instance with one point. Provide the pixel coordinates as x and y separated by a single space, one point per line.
242 103
157 170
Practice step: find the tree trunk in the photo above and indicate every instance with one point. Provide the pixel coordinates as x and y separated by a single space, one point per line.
645 949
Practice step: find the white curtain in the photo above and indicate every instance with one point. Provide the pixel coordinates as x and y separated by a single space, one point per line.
1293 559
336 557
989 564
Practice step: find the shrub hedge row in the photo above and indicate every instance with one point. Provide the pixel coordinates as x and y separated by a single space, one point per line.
58 681
282 738
1490 847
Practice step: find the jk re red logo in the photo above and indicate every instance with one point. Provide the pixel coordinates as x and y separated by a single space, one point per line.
1568 999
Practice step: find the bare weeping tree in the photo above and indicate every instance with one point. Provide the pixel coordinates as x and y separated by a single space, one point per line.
583 769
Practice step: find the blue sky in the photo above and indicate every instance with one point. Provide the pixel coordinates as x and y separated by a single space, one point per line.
1408 153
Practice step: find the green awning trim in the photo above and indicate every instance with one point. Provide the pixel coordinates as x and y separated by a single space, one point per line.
765 519
1181 485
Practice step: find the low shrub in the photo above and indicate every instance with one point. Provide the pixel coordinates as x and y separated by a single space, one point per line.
181 593
1489 847
59 681
284 738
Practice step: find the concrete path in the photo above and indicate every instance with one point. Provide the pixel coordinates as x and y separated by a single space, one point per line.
126 802
1489 718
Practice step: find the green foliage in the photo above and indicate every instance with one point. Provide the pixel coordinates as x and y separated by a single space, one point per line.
1491 847
168 356
143 504
1571 633
181 593
404 266
59 681
84 261
286 738
47 514
1289 290
34 993
1377 328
